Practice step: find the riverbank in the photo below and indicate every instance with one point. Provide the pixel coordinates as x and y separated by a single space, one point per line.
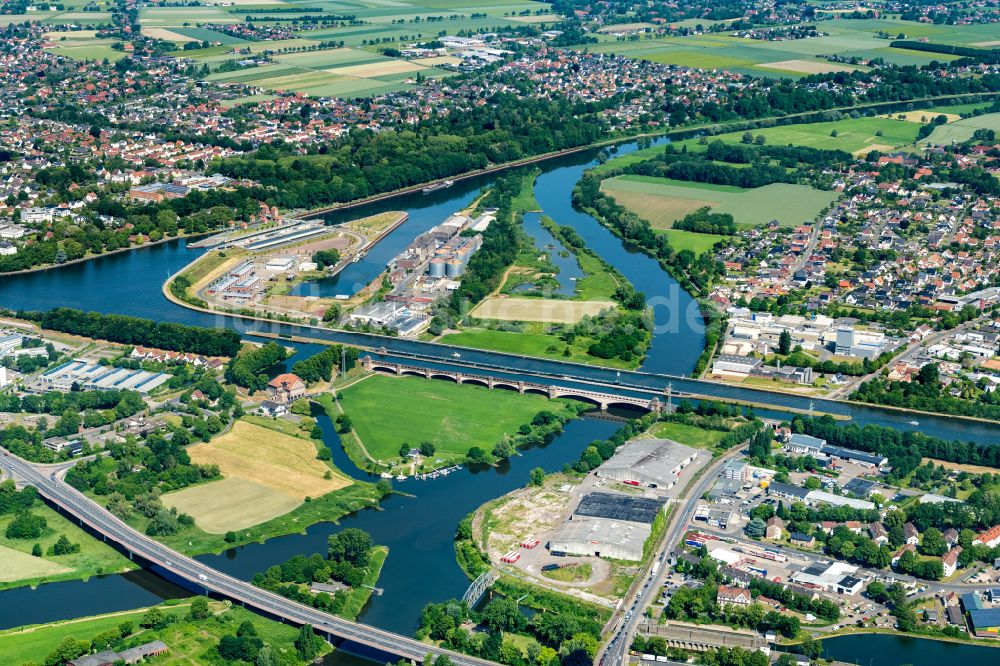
188 640
855 631
708 128
91 257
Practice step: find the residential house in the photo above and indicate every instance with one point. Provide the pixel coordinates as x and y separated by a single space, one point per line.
990 538
879 534
950 561
286 388
802 539
774 527
732 596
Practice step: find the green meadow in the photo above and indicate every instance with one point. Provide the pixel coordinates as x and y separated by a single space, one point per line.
800 57
387 412
662 201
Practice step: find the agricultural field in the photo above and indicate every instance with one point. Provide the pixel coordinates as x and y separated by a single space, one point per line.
233 503
83 45
19 567
389 411
15 565
663 201
962 130
546 310
335 72
801 57
267 473
852 135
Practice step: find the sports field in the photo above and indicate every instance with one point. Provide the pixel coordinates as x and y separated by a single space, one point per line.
389 411
962 130
546 310
665 200
269 471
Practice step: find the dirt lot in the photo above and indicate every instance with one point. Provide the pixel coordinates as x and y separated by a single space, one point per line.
538 309
528 512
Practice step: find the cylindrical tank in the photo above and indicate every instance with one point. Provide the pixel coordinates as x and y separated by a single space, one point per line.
455 268
437 267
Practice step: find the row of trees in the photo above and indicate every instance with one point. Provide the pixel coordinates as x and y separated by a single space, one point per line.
322 366
135 331
249 368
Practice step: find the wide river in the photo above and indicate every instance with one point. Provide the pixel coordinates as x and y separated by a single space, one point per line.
417 526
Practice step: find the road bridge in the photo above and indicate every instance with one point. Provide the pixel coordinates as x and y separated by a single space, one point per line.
552 391
202 577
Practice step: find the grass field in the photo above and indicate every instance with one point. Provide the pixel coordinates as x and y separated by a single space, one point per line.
233 503
533 342
546 310
35 643
335 72
389 411
15 565
794 58
688 435
689 240
267 474
18 567
189 642
853 134
662 201
962 130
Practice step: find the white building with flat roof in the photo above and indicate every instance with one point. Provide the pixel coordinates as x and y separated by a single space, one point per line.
655 463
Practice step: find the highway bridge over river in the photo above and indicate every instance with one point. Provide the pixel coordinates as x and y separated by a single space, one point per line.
198 576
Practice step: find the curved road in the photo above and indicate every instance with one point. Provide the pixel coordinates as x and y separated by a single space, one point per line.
49 485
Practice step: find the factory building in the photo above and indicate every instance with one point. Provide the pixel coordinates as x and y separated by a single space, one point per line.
607 525
656 463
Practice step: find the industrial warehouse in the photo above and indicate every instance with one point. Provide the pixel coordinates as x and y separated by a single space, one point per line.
608 525
655 463
617 525
94 376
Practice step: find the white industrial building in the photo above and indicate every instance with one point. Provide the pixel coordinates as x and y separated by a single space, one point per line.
656 463
600 537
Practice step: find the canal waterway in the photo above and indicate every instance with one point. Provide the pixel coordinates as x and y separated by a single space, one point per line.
901 650
418 526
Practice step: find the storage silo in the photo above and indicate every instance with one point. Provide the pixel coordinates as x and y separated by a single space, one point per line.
437 267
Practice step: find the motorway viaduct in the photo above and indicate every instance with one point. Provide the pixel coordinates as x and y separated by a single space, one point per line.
199 576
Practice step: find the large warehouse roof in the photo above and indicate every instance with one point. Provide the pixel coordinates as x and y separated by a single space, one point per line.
620 507
649 460
600 536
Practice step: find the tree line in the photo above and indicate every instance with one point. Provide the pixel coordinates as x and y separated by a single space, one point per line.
136 331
